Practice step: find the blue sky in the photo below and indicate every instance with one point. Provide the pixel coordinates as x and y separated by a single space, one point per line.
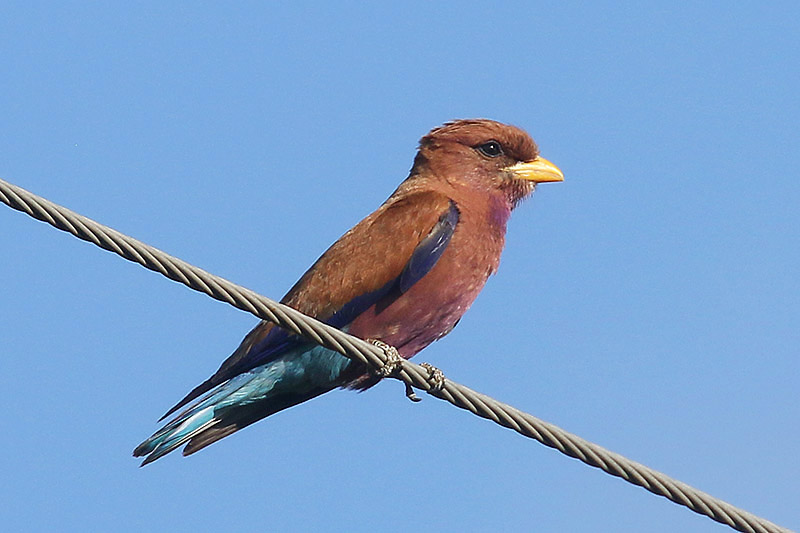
650 303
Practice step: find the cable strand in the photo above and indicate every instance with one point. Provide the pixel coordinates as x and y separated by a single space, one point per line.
371 355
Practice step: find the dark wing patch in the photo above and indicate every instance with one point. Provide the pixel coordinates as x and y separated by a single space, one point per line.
422 260
256 352
430 249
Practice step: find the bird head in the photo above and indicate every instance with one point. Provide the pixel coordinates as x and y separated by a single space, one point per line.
485 156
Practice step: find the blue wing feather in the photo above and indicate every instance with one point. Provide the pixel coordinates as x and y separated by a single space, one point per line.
430 249
279 341
422 260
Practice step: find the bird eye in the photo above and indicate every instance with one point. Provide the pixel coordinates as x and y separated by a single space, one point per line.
490 149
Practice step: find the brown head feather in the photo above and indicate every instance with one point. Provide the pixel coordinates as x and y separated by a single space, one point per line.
451 153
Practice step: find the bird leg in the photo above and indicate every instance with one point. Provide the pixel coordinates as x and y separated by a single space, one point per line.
393 360
393 364
435 377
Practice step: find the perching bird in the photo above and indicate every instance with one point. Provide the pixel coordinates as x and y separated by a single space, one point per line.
404 276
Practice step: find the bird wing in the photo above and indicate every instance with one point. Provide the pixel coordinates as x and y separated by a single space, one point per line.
374 263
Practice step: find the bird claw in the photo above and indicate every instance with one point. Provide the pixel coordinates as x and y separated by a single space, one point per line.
393 360
411 395
435 377
394 363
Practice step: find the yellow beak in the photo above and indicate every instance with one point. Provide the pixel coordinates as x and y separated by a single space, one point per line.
540 170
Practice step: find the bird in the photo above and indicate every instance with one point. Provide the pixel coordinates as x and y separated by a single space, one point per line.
403 276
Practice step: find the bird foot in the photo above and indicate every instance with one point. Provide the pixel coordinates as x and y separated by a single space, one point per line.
394 363
393 360
435 377
411 395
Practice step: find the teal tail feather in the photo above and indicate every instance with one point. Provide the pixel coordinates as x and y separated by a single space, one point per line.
245 399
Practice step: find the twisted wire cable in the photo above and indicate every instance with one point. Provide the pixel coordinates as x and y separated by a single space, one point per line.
376 358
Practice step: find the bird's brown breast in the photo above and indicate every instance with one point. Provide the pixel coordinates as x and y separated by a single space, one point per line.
432 306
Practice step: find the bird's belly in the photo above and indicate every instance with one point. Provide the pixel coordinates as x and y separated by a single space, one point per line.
425 313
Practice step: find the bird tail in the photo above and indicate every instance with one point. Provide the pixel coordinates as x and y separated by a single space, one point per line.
229 407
